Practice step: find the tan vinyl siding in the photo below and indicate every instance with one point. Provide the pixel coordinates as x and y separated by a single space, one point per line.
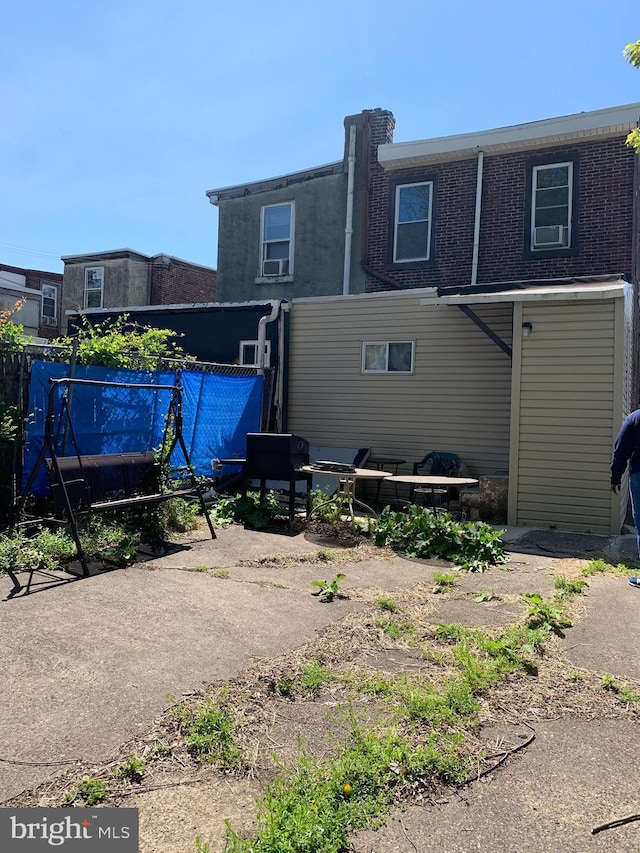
457 399
567 380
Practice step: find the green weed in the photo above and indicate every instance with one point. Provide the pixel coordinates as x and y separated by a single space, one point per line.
313 677
569 587
483 595
443 582
545 613
210 733
397 630
132 769
387 604
421 533
327 590
89 791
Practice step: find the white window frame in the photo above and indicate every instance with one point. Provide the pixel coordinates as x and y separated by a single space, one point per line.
254 363
386 370
396 223
543 166
264 243
53 288
88 289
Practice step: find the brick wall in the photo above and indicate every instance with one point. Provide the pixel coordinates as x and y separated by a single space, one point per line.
604 217
177 282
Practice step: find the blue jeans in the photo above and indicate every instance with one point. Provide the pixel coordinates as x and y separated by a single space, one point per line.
634 490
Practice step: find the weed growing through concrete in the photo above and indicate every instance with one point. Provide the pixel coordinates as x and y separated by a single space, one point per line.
397 629
484 595
569 587
443 582
387 604
316 805
132 769
209 732
595 567
328 590
89 791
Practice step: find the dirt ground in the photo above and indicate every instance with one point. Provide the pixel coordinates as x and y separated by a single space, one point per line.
561 751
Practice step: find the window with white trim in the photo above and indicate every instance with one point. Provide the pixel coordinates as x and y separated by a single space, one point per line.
412 222
49 304
551 206
249 354
387 356
93 287
276 236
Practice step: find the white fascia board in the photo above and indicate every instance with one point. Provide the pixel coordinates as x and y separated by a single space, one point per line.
614 121
537 294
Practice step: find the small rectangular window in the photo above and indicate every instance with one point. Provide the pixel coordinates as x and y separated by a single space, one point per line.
93 287
412 226
249 354
551 206
387 357
276 253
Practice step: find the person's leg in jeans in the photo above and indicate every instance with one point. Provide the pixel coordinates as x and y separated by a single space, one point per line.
634 491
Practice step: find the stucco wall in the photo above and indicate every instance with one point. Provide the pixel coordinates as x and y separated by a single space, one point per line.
126 282
320 210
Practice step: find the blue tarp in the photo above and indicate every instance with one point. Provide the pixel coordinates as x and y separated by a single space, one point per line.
218 412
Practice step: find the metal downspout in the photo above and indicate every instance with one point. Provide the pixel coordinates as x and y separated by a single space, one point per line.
476 222
348 228
262 333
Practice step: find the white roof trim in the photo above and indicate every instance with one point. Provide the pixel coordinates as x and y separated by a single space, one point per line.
614 121
535 294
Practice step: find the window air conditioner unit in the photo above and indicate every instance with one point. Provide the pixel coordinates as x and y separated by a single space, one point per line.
49 321
550 236
279 267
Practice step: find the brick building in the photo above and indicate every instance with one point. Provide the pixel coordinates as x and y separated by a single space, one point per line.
123 278
41 290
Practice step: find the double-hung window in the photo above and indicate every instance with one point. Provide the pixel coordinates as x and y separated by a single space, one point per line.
93 287
551 206
276 254
49 304
387 357
412 222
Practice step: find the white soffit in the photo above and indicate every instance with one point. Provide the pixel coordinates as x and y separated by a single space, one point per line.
534 294
599 124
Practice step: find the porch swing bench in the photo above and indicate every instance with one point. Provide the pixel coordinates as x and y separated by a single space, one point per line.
82 484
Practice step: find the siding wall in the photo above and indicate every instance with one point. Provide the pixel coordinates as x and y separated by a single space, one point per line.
562 432
457 399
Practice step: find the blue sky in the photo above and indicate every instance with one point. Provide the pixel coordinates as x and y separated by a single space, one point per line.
118 115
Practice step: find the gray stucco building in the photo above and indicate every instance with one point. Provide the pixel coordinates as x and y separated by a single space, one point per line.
287 237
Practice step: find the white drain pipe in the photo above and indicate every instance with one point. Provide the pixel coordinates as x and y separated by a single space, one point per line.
348 228
476 223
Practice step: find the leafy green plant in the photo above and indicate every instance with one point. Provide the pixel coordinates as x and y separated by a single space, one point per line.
328 590
132 769
483 595
422 533
443 582
90 791
313 677
608 682
201 846
223 574
545 613
12 337
326 555
121 342
43 551
397 630
328 510
387 604
209 731
569 587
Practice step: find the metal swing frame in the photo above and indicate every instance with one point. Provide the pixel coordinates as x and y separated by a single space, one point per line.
62 468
